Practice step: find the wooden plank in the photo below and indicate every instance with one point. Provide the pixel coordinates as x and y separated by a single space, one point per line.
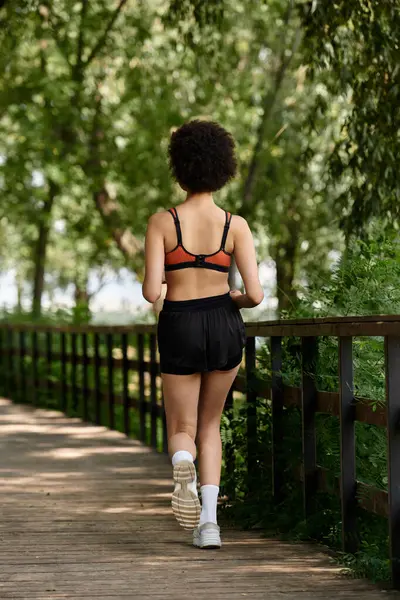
153 390
337 329
251 400
147 329
392 362
85 383
49 361
10 374
86 515
277 405
348 485
64 385
367 410
35 373
369 498
309 352
110 380
142 399
74 350
125 382
97 380
22 369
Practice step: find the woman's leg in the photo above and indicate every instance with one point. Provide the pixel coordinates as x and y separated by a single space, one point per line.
181 397
214 390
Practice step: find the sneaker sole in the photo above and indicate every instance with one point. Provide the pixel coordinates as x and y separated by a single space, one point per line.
210 540
185 504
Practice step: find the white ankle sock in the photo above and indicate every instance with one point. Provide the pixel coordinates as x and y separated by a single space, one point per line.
185 455
209 499
181 455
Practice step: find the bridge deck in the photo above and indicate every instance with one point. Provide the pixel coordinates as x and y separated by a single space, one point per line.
84 514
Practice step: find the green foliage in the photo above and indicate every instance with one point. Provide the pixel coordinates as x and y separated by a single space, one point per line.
364 281
355 46
356 280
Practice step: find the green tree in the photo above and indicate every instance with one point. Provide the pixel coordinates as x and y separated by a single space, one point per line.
355 45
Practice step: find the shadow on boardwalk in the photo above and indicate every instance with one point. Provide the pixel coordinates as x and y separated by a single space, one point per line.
85 515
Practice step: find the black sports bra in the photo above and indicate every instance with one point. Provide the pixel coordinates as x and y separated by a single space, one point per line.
180 258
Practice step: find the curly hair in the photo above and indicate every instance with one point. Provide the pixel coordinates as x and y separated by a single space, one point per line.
202 156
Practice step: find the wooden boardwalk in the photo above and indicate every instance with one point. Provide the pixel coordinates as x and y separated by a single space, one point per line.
84 514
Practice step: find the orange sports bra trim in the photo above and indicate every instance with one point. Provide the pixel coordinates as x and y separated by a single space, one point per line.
180 258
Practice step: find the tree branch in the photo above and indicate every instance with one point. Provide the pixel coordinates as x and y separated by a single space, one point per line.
77 70
268 104
46 15
109 210
107 30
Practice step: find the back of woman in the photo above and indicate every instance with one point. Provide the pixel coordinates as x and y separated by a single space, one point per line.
201 333
202 227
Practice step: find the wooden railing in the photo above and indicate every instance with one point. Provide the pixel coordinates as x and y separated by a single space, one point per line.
109 374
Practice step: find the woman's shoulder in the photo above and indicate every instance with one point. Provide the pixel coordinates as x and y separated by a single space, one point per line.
160 217
239 223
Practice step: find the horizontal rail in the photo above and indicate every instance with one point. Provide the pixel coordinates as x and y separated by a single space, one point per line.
327 402
369 498
375 325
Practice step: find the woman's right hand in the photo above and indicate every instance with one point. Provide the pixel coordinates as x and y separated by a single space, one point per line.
235 294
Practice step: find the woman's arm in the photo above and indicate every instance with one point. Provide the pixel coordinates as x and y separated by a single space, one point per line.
245 257
154 259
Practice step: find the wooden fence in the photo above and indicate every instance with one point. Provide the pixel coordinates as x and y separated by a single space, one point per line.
94 369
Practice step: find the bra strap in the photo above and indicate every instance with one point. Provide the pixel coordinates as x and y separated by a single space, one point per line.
228 218
174 213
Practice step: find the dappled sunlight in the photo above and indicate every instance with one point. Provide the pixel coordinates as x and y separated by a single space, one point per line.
287 567
73 453
96 507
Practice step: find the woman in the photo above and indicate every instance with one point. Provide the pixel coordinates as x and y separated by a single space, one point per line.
200 331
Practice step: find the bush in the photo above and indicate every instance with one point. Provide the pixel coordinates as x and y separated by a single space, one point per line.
365 281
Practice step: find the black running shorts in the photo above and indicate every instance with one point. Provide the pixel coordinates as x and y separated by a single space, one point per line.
197 336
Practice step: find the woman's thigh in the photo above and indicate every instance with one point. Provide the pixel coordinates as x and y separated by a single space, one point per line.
214 390
181 399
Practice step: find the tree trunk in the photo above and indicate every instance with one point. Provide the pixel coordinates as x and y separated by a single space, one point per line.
81 310
285 261
40 249
129 245
19 293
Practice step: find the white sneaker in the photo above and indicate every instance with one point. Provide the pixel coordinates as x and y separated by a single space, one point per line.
207 536
185 502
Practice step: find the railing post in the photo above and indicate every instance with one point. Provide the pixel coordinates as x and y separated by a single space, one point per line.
153 390
348 485
125 382
64 397
49 358
2 358
164 429
35 375
73 372
10 357
392 360
142 399
85 377
22 374
309 405
110 380
251 399
277 417
229 449
97 391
